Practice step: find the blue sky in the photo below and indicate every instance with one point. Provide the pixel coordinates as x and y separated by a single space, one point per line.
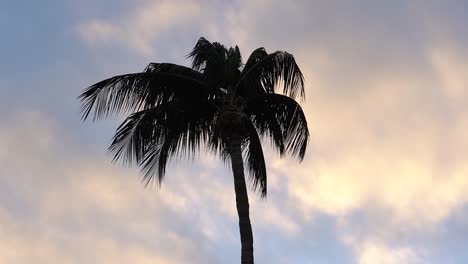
384 180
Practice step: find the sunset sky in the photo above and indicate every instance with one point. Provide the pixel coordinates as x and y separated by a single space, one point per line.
384 180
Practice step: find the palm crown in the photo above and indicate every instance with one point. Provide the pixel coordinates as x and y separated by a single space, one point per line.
177 110
219 103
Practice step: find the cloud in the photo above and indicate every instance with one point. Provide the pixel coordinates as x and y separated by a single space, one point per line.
26 244
393 152
147 23
386 108
451 69
384 104
69 208
74 207
371 253
97 31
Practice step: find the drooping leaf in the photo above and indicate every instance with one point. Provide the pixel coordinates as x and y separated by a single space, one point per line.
263 73
175 111
281 118
255 160
124 94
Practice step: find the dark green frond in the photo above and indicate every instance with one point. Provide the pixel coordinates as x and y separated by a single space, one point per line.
149 138
272 110
234 58
201 53
119 94
132 92
233 65
175 111
185 130
175 69
255 160
266 122
266 73
133 137
219 65
209 58
255 57
218 143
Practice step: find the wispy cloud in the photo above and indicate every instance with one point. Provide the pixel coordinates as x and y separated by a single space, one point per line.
387 123
76 207
139 29
386 165
71 206
370 253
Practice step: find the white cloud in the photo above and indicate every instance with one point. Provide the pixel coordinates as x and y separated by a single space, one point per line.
387 114
139 29
385 104
97 31
69 208
372 253
77 208
452 70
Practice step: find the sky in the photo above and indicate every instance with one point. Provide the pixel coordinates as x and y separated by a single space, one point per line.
384 179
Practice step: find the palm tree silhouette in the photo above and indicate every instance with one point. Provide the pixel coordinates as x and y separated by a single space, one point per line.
220 103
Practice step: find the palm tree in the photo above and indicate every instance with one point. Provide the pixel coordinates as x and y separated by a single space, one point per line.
219 103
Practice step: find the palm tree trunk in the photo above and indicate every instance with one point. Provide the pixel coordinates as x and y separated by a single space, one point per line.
242 202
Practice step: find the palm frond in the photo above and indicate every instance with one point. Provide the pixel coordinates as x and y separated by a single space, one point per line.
218 143
271 111
255 57
249 90
119 94
207 55
175 111
255 160
264 73
184 129
233 65
150 137
132 92
175 69
235 58
212 60
266 122
203 51
137 133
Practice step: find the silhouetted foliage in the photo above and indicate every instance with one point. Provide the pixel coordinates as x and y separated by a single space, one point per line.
220 103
